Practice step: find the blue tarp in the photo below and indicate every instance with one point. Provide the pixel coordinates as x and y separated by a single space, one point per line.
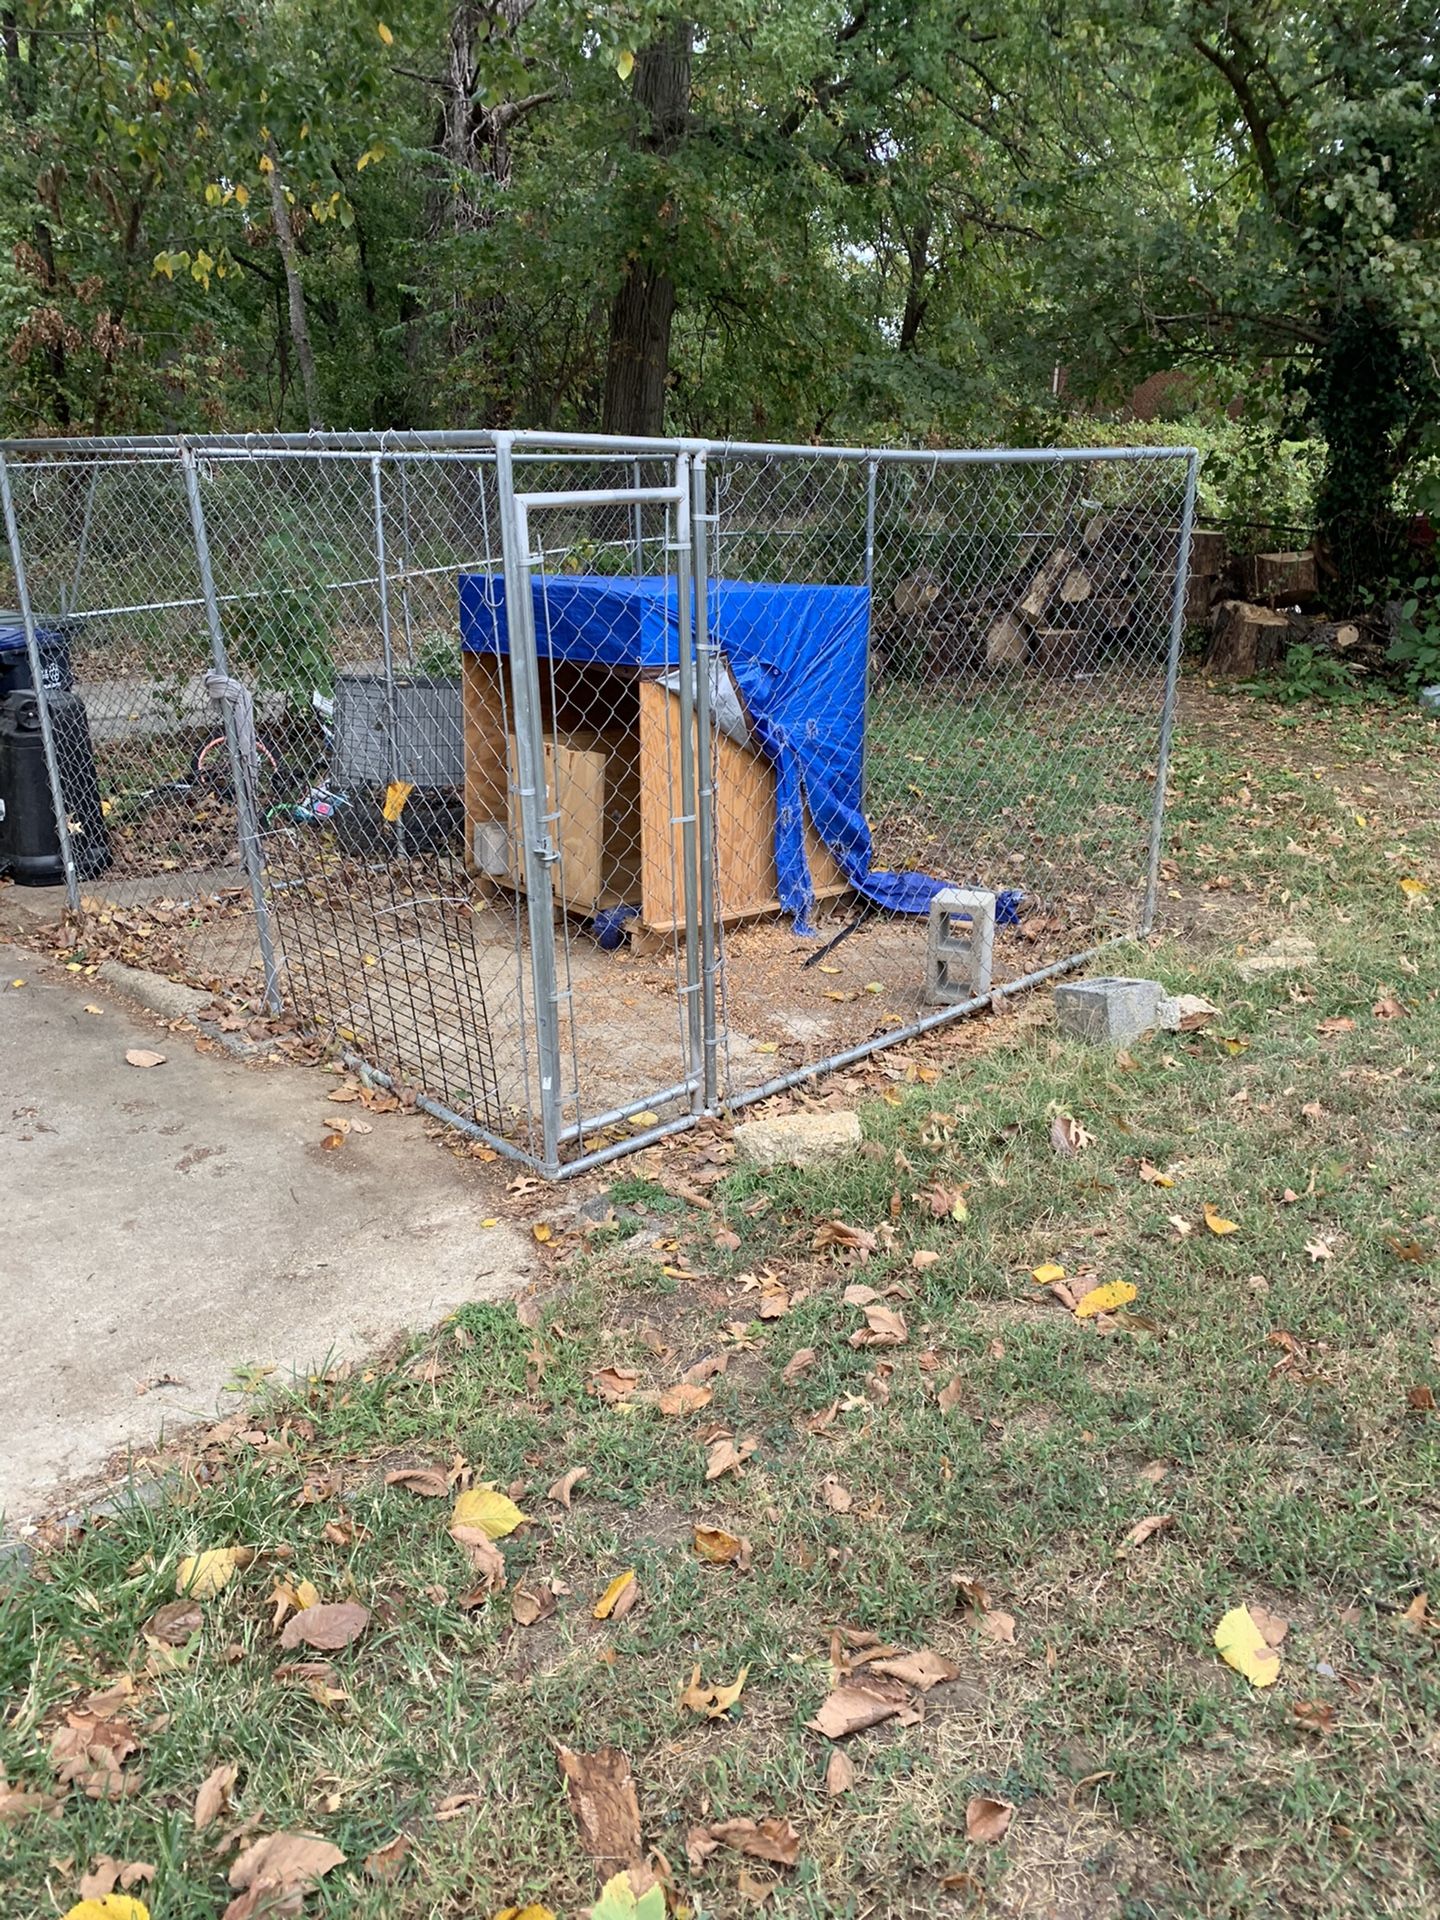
797 656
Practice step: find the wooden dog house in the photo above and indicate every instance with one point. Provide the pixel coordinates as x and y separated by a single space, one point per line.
613 780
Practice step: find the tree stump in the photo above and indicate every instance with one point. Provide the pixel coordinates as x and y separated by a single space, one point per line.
1245 640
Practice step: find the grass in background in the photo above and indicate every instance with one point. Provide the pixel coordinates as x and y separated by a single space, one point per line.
1147 1778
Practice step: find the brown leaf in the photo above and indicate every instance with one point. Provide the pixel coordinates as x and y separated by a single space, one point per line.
602 1798
1417 1613
1145 1529
842 1238
529 1604
725 1457
614 1384
1273 1626
998 1625
326 1627
101 1879
1420 1399
1154 1471
388 1862
987 1820
857 1294
89 1751
971 1591
175 1623
858 1704
431 1483
772 1839
1408 1248
924 1257
486 1560
884 1327
214 1795
950 1395
280 1865
563 1488
839 1773
1067 1136
143 1057
712 1701
1387 1007
1315 1716
837 1498
684 1397
802 1358
18 1803
719 1547
924 1669
706 1369
1338 1023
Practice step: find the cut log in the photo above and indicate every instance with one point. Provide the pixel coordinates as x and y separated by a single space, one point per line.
1198 594
914 597
1209 552
1094 530
1047 577
1245 639
1007 643
1280 576
1061 651
1075 586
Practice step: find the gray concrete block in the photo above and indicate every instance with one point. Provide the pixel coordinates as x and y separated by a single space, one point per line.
960 949
1108 1011
797 1139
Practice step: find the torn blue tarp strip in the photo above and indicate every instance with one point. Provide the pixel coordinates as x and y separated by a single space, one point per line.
797 656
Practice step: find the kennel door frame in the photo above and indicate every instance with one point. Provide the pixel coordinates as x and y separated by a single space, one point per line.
540 852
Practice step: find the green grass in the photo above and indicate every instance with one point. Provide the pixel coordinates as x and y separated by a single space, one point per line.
1148 1780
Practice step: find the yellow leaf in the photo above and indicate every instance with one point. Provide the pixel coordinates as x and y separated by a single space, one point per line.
639 1121
267 165
713 1702
242 195
396 794
1217 1222
306 1595
1241 1645
493 1513
203 1574
542 1233
1412 889
114 1906
1048 1274
532 1912
604 1606
1115 1293
387 38
625 63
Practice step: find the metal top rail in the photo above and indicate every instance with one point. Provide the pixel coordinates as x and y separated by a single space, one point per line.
481 440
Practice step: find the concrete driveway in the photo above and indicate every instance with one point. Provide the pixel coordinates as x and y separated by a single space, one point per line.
161 1228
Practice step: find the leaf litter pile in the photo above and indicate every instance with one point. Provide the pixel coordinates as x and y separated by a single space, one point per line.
1017 1518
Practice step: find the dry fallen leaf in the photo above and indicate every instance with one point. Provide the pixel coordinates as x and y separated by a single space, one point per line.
1241 1643
712 1702
429 1482
1315 1716
1067 1136
388 1862
1319 1250
1153 1177
924 1669
802 1358
860 1702
280 1865
1338 1023
842 1238
1147 1528
143 1057
1114 1293
884 1327
774 1840
563 1488
174 1624
719 1547
1417 1613
619 1597
614 1384
214 1795
1420 1399
684 1397
1217 1223
839 1773
201 1575
837 1498
327 1628
987 1820
950 1395
18 1803
724 1456
529 1604
1047 1273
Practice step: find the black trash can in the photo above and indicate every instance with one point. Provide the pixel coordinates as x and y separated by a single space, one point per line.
29 839
53 637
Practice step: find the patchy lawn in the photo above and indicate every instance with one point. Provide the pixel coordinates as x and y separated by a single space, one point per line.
964 1484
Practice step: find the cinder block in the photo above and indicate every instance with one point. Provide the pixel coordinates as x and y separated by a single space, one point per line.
798 1139
960 953
1111 1011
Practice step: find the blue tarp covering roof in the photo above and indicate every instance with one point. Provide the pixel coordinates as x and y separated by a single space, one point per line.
797 656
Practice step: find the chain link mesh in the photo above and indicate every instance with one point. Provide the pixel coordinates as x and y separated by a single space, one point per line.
298 774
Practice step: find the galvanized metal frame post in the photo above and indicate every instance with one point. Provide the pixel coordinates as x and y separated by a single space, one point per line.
1172 683
705 793
392 712
243 769
537 845
690 746
37 675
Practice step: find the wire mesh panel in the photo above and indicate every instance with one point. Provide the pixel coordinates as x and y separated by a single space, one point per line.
579 786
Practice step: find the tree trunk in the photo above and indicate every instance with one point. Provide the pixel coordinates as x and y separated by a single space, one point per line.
637 366
299 325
